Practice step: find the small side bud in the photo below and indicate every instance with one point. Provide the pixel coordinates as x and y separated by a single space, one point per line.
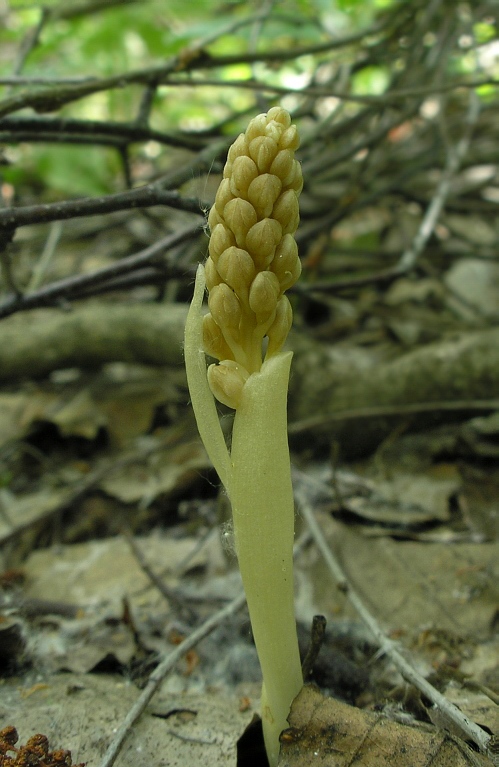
278 331
211 275
224 195
214 343
263 295
244 171
290 138
214 218
286 264
256 127
296 182
221 238
286 211
279 115
283 166
227 381
238 148
273 131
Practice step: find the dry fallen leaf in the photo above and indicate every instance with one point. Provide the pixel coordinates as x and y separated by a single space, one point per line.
327 733
84 711
411 587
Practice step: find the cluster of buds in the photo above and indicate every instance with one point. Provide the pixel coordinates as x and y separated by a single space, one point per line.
253 256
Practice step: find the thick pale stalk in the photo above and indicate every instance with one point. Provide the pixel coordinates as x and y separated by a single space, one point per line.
202 399
263 511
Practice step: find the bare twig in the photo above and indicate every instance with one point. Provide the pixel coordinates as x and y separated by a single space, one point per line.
454 158
71 287
317 634
67 129
163 670
469 729
143 197
386 411
30 42
169 594
46 256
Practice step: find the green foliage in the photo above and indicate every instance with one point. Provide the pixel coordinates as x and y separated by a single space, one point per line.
133 36
371 80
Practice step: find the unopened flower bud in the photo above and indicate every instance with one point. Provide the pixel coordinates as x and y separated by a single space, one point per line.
273 130
296 182
224 307
214 343
214 218
244 171
290 139
263 295
238 148
240 215
286 264
263 192
263 150
283 166
221 238
262 240
286 211
226 381
224 195
211 274
256 127
236 268
279 115
278 331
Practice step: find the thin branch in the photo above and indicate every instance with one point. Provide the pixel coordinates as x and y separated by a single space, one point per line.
190 59
142 197
30 42
64 128
71 287
85 7
212 62
388 97
169 594
390 411
454 158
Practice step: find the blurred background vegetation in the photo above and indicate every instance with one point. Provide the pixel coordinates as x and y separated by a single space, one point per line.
102 39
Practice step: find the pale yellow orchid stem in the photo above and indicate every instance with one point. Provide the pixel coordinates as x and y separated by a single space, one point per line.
253 260
263 511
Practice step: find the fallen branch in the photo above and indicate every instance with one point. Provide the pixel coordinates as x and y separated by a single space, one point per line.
356 404
35 343
357 400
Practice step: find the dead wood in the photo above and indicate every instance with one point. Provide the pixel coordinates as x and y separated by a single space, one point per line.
353 397
357 400
38 342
